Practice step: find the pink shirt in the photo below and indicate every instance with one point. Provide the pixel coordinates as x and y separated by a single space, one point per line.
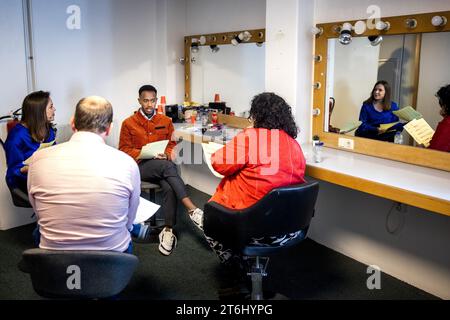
85 194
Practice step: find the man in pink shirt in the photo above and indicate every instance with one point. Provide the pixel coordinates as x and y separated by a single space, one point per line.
85 193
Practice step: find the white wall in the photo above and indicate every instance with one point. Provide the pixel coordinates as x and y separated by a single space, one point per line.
289 54
355 73
353 223
215 16
433 74
13 75
121 45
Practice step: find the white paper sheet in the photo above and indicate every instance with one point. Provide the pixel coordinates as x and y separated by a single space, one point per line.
145 210
151 150
208 150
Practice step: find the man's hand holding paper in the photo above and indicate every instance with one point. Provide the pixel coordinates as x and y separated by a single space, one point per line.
153 150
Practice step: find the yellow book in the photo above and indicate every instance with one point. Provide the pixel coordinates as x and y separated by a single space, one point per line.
407 113
420 130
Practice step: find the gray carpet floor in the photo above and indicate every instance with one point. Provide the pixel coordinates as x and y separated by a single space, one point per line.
192 271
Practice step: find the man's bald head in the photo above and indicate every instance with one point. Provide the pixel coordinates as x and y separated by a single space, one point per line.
93 114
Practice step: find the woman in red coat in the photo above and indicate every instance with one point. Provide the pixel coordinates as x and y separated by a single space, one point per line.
441 138
258 160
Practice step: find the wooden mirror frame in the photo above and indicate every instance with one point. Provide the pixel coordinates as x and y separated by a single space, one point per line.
413 155
224 38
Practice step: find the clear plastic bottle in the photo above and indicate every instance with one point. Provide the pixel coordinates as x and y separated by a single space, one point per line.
398 139
317 152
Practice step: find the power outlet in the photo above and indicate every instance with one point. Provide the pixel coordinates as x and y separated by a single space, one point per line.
346 143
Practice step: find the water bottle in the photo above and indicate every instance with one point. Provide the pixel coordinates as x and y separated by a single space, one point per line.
317 151
398 139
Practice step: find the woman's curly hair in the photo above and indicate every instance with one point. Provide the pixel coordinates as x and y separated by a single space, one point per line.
443 95
271 112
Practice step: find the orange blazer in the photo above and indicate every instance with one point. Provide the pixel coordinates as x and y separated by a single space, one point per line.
255 162
137 131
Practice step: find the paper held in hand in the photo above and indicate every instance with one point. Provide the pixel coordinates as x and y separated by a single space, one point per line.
421 131
208 150
387 126
350 126
41 146
407 113
151 150
145 210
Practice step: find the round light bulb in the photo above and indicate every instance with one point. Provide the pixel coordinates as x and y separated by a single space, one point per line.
439 21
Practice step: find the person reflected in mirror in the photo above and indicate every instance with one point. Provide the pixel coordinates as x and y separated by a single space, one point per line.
441 138
35 128
376 111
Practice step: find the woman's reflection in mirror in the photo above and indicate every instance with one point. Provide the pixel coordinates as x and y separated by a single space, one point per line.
441 138
377 111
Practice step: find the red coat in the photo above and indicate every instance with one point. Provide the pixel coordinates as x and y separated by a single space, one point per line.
441 138
255 162
137 131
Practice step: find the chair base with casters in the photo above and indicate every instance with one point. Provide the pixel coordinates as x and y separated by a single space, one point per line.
282 211
78 274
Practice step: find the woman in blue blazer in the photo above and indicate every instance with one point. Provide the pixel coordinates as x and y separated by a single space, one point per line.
26 137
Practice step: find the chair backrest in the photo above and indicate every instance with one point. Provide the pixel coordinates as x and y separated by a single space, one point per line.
19 198
283 210
78 274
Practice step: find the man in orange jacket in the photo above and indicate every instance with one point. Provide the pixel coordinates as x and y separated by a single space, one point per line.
144 127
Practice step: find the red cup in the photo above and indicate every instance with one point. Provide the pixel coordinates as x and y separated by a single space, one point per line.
214 118
217 97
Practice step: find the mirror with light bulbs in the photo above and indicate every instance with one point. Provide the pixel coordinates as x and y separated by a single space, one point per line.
409 52
230 64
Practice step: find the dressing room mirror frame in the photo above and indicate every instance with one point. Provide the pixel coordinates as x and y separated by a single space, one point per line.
408 154
223 38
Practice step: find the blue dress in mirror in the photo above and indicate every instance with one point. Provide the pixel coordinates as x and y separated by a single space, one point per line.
372 119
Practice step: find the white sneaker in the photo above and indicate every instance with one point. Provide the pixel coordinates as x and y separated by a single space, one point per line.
197 217
167 241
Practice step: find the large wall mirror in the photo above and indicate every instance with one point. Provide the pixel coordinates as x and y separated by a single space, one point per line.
410 54
230 64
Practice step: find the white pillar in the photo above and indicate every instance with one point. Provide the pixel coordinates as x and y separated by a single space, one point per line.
289 56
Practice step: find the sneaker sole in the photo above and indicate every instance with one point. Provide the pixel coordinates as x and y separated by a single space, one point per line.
163 251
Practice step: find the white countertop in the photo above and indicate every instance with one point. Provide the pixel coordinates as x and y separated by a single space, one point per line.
421 180
426 181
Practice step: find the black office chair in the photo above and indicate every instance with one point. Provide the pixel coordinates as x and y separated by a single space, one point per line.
19 198
282 211
78 274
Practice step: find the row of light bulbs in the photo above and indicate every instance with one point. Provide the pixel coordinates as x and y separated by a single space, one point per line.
244 36
345 31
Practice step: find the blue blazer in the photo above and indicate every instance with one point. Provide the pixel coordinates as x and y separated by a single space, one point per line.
19 146
371 118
